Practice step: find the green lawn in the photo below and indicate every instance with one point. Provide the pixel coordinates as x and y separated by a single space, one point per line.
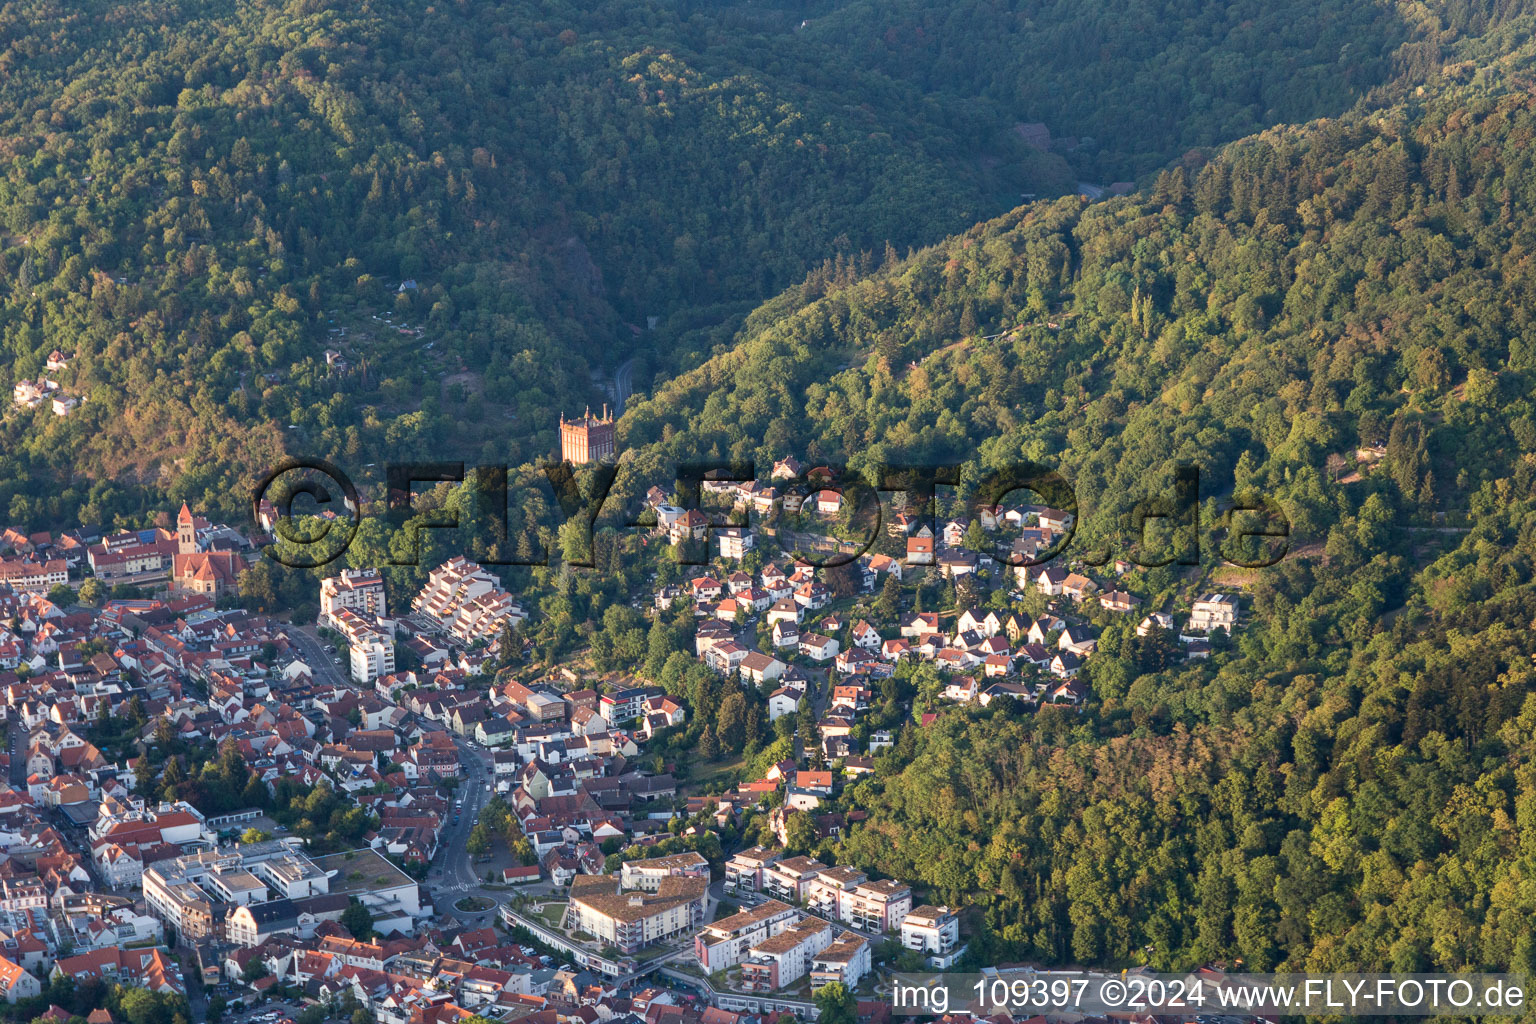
650 953
551 914
709 777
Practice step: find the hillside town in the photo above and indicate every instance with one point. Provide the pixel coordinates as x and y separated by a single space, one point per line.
371 814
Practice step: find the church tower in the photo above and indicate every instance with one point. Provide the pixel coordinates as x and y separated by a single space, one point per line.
186 531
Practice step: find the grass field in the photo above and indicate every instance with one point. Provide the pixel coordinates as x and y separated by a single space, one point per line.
705 777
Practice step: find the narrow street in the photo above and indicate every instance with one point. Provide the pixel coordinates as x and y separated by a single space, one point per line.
453 873
317 657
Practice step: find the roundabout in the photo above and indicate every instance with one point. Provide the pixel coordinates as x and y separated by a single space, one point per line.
474 904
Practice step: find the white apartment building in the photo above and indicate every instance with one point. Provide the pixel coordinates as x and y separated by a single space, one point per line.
848 895
745 869
785 958
358 590
789 879
630 921
468 602
648 874
935 932
847 960
370 644
734 542
1212 612
726 942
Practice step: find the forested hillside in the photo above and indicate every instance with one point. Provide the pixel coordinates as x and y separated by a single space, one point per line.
198 198
1355 789
1126 86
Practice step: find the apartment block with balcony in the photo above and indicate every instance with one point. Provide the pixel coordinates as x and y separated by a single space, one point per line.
847 960
1212 612
876 906
934 932
630 921
370 644
745 870
790 879
785 958
824 894
649 874
726 942
468 602
357 590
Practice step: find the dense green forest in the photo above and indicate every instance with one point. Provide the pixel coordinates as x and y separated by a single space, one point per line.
1126 86
197 199
1353 789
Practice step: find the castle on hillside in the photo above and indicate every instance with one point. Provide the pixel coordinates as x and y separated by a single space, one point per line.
589 439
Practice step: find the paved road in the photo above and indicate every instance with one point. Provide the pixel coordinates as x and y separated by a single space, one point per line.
16 746
454 873
317 657
623 386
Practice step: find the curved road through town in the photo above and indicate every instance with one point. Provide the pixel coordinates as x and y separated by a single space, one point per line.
452 875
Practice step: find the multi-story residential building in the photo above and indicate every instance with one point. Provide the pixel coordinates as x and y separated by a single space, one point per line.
623 705
649 874
790 879
1212 612
734 542
630 921
370 644
876 906
468 602
16 982
824 892
847 894
358 590
20 894
152 969
725 942
847 960
24 574
783 959
251 925
745 869
934 931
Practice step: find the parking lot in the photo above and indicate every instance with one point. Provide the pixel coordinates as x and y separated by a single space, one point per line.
277 1012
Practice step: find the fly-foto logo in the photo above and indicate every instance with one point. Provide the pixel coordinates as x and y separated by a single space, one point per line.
1255 531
